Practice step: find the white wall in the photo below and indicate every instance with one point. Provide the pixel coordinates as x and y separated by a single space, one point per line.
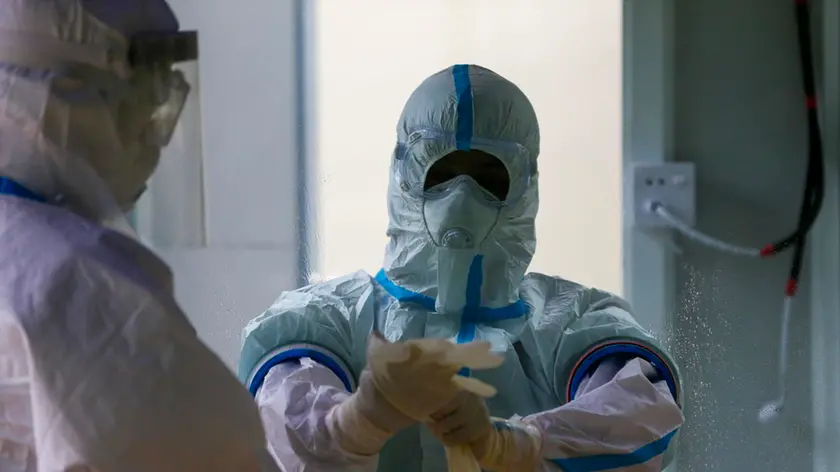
566 56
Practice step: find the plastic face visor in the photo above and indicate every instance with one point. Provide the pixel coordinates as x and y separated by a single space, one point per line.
167 66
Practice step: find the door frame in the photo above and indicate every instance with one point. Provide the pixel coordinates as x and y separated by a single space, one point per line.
824 259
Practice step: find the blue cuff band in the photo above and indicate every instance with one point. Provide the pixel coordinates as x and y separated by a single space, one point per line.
296 354
605 462
621 349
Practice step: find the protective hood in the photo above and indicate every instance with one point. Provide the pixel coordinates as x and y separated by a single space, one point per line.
58 137
430 254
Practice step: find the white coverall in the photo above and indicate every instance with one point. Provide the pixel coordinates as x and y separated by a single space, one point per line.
601 391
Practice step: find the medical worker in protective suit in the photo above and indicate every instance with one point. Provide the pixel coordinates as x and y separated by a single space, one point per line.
99 368
582 386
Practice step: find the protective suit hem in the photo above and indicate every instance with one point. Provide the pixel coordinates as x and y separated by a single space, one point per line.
617 461
602 351
295 352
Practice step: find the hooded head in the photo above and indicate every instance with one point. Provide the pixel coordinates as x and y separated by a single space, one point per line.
73 110
462 197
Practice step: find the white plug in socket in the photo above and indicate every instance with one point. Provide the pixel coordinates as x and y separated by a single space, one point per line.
671 184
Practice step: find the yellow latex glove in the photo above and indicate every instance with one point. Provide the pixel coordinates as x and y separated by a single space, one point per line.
405 382
465 427
465 420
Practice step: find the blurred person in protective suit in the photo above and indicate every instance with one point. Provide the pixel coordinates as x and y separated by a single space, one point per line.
100 370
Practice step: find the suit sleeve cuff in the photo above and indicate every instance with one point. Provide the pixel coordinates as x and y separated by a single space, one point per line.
589 361
296 352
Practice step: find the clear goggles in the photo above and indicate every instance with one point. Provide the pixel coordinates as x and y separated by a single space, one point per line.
414 160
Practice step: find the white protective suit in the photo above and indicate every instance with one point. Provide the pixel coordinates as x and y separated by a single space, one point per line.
600 390
100 370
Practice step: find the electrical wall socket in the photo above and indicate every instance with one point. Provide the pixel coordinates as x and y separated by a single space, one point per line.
672 184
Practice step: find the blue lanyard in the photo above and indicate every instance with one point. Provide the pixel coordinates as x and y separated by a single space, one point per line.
10 187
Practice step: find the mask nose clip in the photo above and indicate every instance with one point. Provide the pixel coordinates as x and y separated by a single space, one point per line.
457 238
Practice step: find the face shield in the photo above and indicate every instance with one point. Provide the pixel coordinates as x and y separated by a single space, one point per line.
165 79
165 75
96 110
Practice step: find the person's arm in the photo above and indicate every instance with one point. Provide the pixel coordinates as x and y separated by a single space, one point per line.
622 418
622 393
294 401
295 360
619 394
314 424
620 390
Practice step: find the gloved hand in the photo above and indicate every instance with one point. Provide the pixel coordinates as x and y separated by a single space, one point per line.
465 420
414 376
497 445
403 382
366 420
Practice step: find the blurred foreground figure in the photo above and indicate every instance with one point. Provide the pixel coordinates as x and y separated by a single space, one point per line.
99 368
582 386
